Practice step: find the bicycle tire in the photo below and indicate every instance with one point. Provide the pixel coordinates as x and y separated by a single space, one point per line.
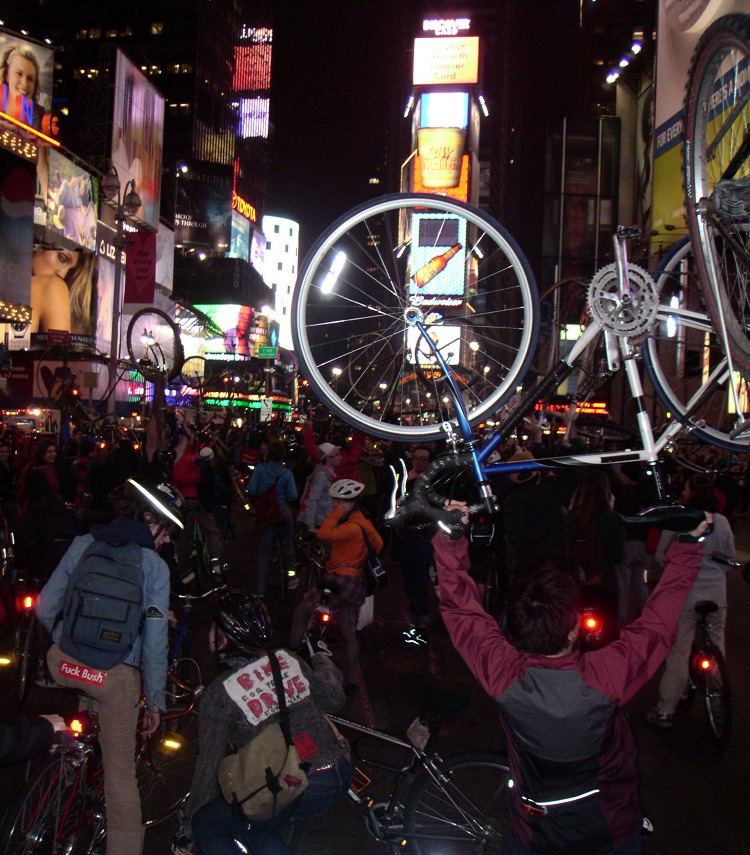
26 652
467 810
56 812
382 245
717 113
666 356
153 342
716 691
164 778
195 372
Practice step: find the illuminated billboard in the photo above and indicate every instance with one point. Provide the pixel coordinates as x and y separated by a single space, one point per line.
71 201
203 207
64 294
460 191
16 227
240 243
25 79
252 67
254 117
137 136
446 61
444 110
438 259
244 331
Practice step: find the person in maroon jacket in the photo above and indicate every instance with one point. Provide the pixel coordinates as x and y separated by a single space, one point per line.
571 752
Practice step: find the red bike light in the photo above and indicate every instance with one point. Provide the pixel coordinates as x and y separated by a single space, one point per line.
591 623
80 724
704 664
25 602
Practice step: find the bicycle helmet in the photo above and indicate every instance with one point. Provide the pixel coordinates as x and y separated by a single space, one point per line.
244 620
345 489
162 500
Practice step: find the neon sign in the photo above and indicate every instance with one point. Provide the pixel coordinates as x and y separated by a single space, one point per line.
446 26
243 207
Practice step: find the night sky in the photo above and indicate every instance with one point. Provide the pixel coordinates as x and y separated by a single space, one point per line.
338 85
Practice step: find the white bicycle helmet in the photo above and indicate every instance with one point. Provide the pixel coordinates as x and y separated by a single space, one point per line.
345 489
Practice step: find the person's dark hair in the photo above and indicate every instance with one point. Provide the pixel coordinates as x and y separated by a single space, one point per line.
277 450
40 450
542 610
86 447
590 499
702 495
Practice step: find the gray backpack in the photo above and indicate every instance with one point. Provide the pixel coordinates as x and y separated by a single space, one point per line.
103 607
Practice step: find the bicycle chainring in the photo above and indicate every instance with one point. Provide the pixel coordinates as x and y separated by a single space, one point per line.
627 319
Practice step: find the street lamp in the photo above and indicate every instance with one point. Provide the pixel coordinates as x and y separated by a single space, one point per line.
127 204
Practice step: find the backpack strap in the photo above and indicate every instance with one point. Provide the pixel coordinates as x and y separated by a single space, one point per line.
283 711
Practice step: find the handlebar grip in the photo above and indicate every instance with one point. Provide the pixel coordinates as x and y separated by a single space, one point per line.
448 521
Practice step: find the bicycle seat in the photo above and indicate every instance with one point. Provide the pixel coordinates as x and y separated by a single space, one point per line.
443 702
669 517
705 607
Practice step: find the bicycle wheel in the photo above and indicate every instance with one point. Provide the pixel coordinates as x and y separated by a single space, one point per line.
717 175
195 372
396 261
164 768
58 811
465 811
371 371
26 654
684 360
717 696
153 341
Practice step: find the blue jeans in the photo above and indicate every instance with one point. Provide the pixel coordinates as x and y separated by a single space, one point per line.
268 533
216 829
513 846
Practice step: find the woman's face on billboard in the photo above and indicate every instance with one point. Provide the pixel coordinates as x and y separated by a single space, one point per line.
21 75
56 262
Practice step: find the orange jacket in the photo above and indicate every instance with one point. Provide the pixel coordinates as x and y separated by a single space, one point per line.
347 541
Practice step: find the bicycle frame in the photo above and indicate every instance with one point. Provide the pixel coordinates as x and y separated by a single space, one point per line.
620 353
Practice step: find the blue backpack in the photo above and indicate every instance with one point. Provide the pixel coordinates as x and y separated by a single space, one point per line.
103 608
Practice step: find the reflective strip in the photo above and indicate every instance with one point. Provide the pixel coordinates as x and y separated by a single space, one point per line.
565 801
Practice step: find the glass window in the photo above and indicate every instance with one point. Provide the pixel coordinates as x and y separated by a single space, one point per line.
111 34
157 28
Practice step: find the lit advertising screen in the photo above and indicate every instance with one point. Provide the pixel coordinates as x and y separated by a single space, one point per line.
16 227
258 251
447 339
71 204
64 293
244 332
165 258
254 117
460 191
203 208
240 245
137 136
444 110
438 259
252 67
446 61
25 79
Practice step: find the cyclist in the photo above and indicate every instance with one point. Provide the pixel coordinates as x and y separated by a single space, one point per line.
118 689
344 528
572 755
241 632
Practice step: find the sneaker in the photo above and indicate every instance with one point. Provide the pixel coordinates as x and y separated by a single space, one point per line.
658 718
214 566
414 637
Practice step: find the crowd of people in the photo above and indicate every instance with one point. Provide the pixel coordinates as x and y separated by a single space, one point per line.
560 537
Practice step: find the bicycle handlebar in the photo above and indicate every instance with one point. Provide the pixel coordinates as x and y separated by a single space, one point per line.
190 598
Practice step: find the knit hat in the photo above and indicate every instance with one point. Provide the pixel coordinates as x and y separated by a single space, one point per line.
326 449
523 475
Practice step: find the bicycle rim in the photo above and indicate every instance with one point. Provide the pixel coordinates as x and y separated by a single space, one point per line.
55 813
373 274
466 811
684 359
153 342
717 175
717 698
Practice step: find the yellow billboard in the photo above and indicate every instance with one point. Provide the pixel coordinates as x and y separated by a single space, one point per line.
446 61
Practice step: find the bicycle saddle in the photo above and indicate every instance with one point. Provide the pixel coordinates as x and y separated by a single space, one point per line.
669 517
